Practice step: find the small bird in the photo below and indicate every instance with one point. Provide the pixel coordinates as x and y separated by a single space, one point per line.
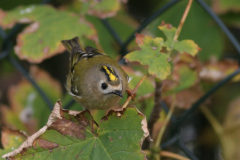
95 80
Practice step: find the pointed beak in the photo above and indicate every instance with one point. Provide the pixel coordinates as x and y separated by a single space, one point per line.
119 93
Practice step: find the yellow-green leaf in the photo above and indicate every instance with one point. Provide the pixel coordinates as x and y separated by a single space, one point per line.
151 55
101 9
187 79
41 39
184 46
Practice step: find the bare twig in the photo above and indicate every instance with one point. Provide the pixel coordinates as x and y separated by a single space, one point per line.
155 112
135 90
156 146
182 20
157 105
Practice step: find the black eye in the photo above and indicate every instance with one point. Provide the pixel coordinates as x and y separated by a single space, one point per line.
104 86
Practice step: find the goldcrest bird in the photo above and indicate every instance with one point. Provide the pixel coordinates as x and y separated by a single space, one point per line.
95 80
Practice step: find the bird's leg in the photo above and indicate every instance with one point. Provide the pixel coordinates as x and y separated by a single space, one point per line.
131 93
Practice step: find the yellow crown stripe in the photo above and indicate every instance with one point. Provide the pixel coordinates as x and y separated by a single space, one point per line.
112 77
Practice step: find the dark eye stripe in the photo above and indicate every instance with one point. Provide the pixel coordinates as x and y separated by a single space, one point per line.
110 73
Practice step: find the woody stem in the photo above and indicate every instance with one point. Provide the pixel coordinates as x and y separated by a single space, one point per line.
135 90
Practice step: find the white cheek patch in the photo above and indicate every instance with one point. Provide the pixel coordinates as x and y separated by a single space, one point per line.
109 89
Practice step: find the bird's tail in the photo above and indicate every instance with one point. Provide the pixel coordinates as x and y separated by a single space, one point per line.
73 45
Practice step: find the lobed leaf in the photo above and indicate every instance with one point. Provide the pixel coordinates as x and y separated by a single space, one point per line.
151 55
184 46
41 39
201 31
71 135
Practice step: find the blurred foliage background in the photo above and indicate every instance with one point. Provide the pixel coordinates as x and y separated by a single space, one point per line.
37 47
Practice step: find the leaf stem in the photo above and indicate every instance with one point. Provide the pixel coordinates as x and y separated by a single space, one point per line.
182 20
160 134
172 155
135 90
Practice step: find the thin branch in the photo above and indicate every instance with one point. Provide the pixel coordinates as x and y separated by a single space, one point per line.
172 155
182 20
135 90
155 111
157 105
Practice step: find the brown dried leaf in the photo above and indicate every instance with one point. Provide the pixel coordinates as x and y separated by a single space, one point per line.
215 71
185 98
184 84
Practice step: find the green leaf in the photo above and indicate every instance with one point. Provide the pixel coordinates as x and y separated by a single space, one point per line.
11 139
42 38
184 46
101 9
151 55
169 32
201 29
188 78
71 135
